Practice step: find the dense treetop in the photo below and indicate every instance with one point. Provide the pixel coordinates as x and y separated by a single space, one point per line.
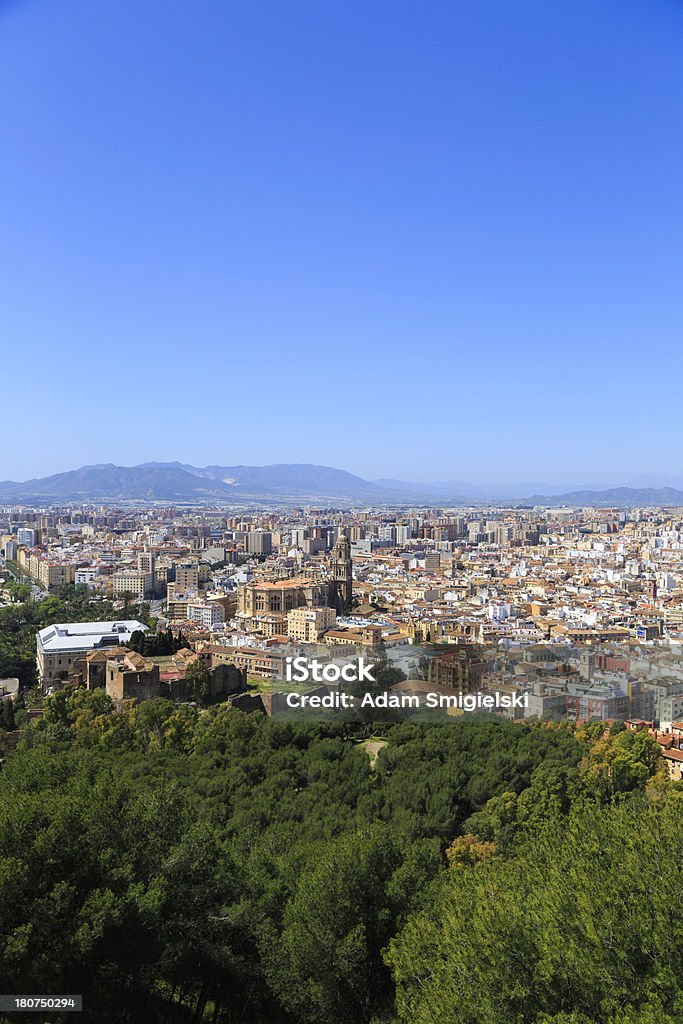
207 864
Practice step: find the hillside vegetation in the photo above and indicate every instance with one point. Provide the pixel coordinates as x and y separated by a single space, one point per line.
177 864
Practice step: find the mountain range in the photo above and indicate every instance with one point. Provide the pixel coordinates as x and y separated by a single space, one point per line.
175 481
297 482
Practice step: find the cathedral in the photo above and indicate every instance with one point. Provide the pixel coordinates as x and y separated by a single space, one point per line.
342 575
266 603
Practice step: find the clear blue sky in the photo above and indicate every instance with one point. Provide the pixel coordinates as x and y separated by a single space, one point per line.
428 240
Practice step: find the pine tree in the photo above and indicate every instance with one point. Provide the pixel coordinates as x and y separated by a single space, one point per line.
8 722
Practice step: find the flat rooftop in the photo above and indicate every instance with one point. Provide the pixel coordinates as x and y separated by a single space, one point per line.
86 636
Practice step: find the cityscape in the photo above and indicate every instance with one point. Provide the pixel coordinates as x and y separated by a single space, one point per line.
577 610
341 512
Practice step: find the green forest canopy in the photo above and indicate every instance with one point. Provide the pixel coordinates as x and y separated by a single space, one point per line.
178 864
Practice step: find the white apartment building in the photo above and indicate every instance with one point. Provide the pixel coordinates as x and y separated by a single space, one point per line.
85 575
307 624
136 582
206 613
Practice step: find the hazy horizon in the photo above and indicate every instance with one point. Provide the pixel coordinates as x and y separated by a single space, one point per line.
634 480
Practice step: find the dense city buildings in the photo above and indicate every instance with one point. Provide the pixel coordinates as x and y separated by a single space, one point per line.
578 609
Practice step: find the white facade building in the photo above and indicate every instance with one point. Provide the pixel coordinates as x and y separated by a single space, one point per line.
59 646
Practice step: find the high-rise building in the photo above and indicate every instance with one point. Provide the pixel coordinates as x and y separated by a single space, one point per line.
260 542
146 561
191 574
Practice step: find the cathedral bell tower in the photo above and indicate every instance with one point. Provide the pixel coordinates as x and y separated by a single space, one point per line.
342 574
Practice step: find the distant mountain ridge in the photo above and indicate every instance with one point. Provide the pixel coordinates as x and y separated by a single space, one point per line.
177 481
297 482
480 492
109 481
643 497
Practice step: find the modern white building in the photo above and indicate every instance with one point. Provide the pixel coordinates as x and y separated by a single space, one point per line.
59 646
206 613
85 575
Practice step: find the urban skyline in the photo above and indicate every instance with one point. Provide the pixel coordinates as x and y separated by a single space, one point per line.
341 512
